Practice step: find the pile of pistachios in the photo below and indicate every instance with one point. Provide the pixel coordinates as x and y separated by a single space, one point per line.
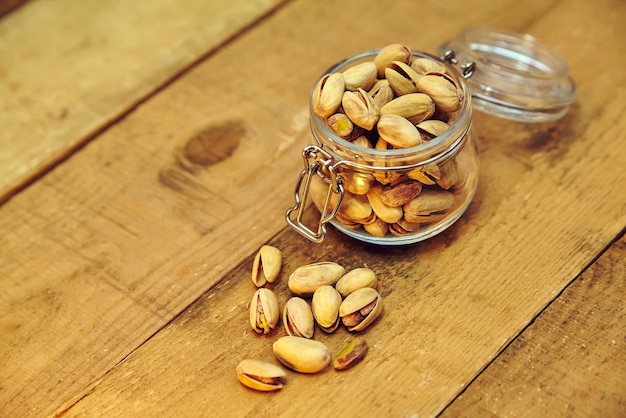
323 293
395 101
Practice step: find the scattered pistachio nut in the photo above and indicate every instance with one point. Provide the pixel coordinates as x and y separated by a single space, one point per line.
305 280
352 353
266 265
302 354
259 375
355 279
264 312
360 309
298 318
325 305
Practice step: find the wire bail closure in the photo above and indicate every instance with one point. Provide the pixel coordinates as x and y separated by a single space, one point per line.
467 69
316 162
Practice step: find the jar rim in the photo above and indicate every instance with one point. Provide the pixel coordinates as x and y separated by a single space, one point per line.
425 151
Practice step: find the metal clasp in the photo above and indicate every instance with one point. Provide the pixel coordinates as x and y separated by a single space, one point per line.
467 69
317 162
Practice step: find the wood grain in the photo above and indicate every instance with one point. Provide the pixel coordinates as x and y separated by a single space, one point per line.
570 361
69 68
103 252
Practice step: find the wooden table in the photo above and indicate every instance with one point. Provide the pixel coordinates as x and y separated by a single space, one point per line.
148 149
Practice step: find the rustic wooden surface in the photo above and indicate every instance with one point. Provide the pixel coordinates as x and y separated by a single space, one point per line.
125 267
69 69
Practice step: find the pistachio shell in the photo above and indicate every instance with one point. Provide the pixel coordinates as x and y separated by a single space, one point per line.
402 78
360 108
260 375
340 124
398 131
378 228
354 352
360 308
432 128
386 213
416 107
442 90
355 279
356 182
355 207
423 66
305 280
325 304
429 206
381 92
361 76
266 265
301 354
327 94
390 53
398 194
264 311
298 318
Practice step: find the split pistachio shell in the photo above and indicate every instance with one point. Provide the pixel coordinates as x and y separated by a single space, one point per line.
387 213
360 108
355 207
432 128
442 90
325 304
360 309
305 280
429 206
378 228
361 76
302 354
381 92
423 66
398 194
327 94
264 311
398 131
266 265
355 279
390 53
260 375
402 78
298 318
415 107
353 353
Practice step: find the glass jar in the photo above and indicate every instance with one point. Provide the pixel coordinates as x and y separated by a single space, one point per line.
397 196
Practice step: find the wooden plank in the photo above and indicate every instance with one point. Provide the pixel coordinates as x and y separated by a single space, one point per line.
6 6
69 68
570 361
452 303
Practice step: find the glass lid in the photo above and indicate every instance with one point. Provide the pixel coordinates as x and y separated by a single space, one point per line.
514 75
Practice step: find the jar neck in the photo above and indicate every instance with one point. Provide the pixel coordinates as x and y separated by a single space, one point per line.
436 149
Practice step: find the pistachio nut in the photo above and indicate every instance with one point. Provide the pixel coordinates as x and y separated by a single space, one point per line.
425 175
266 265
305 280
429 206
302 354
362 141
348 223
398 194
352 353
264 311
452 173
360 309
402 78
298 318
386 213
360 108
356 182
340 124
355 207
416 107
319 190
390 53
442 90
398 131
361 76
378 228
355 279
386 176
325 304
432 128
402 227
327 94
423 66
381 92
259 375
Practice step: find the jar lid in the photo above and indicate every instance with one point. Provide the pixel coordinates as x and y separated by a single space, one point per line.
514 75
